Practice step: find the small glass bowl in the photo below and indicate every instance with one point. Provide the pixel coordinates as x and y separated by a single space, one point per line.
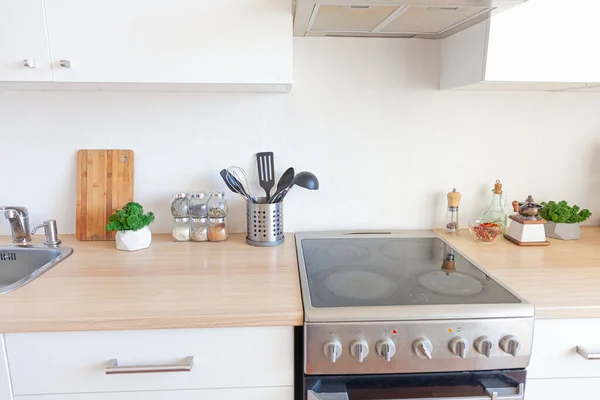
485 233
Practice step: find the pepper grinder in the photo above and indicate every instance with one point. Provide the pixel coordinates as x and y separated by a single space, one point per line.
452 227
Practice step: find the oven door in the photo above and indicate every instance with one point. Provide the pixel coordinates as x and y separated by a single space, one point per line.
490 385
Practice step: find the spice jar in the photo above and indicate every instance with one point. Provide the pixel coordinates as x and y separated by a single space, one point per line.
217 230
181 231
217 205
180 205
199 230
198 205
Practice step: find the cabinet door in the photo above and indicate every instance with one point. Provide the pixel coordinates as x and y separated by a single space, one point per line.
23 37
78 362
545 41
554 352
180 41
562 389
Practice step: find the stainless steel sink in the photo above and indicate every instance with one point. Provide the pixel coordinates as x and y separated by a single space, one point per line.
19 265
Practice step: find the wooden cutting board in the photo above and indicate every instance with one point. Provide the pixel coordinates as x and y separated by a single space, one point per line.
104 184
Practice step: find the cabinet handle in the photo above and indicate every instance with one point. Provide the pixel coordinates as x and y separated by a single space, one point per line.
65 63
113 367
29 63
582 351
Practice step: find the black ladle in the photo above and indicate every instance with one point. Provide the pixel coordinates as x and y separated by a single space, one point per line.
304 179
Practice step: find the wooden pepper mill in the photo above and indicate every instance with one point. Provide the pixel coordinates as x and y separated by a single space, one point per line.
451 226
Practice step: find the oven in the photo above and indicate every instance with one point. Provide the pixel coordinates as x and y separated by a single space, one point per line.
404 315
480 385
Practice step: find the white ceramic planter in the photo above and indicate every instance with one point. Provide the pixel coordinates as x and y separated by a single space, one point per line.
562 231
134 240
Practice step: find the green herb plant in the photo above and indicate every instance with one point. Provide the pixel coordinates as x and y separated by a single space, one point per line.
130 218
562 213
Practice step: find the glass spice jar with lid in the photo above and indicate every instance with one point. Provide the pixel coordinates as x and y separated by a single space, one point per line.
198 207
217 205
199 229
218 230
180 205
181 230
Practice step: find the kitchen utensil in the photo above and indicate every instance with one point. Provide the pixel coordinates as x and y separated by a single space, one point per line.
266 172
234 184
224 174
285 181
104 184
485 232
264 223
451 226
303 179
527 227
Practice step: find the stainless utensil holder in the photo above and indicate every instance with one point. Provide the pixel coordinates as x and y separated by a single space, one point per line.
264 223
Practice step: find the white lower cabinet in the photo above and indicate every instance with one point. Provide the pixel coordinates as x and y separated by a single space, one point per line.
557 371
554 349
280 393
563 389
227 363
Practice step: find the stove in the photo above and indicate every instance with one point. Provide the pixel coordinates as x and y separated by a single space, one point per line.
406 303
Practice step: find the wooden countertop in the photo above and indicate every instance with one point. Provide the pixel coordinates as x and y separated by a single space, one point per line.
561 280
169 285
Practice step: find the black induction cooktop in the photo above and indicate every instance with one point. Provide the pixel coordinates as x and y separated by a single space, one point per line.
364 272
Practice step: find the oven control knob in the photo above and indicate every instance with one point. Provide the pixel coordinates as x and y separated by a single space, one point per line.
359 349
386 348
509 344
423 348
332 350
484 346
459 346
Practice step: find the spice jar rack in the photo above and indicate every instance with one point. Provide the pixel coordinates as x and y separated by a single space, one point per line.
199 217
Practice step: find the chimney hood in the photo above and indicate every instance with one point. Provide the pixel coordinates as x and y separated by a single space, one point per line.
422 19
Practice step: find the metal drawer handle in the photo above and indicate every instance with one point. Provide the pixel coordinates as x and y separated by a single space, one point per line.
582 351
65 63
113 367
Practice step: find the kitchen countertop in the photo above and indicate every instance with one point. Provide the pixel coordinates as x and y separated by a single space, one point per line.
561 280
229 284
169 285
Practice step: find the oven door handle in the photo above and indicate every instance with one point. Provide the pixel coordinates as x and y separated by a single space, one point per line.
312 395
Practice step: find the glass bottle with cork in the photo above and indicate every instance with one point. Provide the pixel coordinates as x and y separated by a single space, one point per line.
495 212
452 226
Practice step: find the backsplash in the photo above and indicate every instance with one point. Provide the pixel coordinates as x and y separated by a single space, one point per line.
364 115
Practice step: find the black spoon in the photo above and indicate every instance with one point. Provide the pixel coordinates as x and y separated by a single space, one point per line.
285 181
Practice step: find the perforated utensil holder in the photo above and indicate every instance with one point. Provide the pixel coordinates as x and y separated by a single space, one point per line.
264 223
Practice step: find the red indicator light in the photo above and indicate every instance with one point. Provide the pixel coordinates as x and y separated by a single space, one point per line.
395 332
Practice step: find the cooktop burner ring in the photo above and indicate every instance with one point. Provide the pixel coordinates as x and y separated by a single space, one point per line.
451 284
357 284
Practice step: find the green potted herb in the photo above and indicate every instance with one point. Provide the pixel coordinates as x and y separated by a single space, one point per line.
132 226
563 220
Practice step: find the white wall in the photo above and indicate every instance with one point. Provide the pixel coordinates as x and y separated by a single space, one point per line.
364 115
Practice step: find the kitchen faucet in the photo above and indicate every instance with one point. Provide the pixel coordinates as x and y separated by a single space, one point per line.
19 223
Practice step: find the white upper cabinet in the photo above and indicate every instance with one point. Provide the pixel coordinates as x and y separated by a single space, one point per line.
23 41
541 44
245 42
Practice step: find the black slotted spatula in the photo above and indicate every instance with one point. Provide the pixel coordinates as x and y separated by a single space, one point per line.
266 172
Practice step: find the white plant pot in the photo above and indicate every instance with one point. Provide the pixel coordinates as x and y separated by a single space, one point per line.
134 240
562 231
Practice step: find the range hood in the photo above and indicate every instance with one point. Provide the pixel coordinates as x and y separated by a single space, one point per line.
423 19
